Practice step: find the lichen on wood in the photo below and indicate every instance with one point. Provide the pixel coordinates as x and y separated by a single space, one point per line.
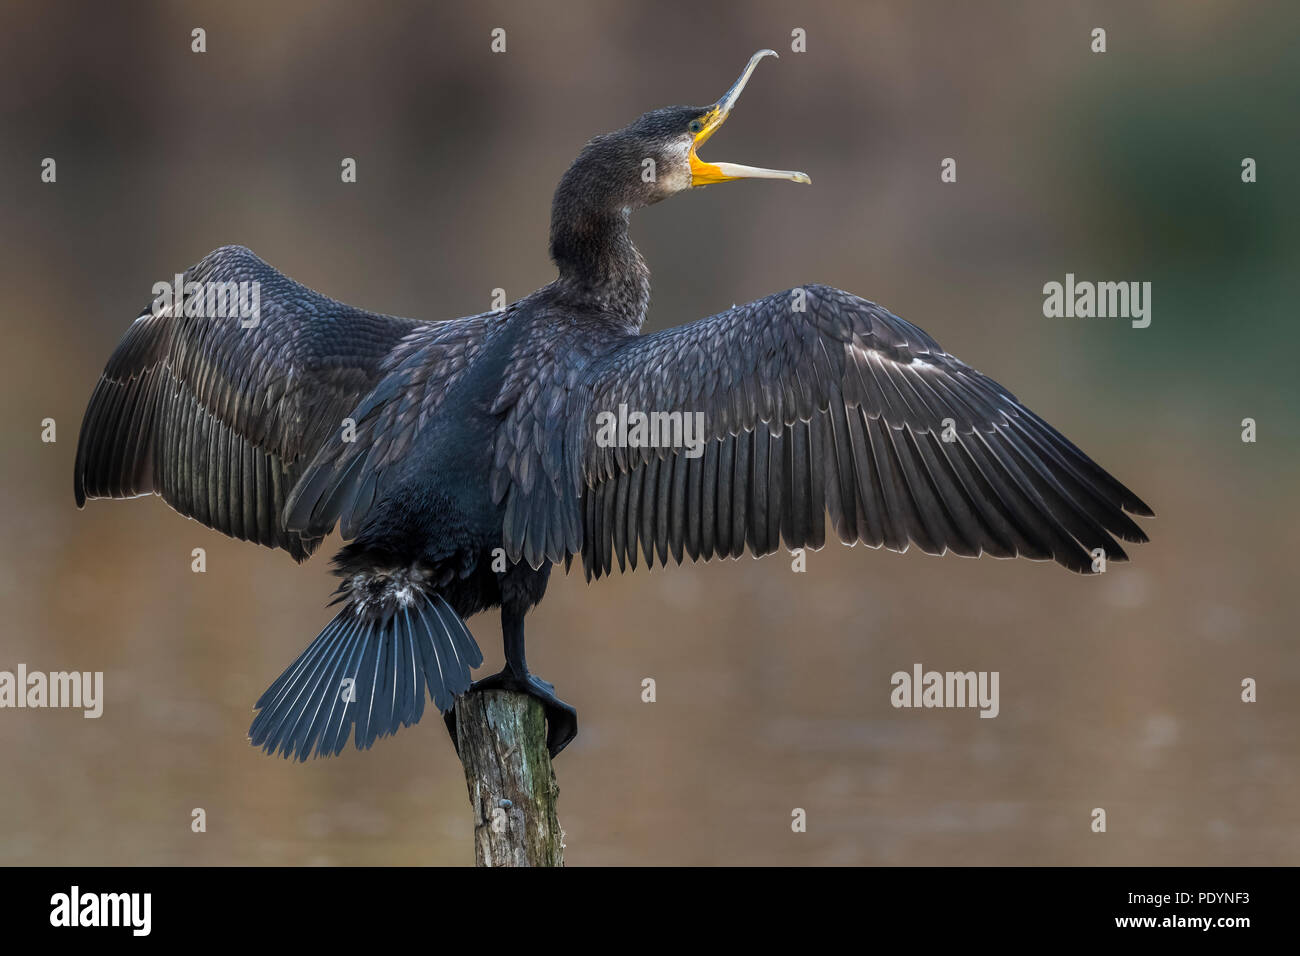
501 737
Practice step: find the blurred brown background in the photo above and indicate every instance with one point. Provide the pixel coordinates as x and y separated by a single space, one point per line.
1119 692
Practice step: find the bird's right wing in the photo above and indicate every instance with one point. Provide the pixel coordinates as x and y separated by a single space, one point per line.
221 419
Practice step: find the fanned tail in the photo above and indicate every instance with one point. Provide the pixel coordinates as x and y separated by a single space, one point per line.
371 668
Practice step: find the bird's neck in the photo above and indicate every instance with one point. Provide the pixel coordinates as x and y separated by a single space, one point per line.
601 270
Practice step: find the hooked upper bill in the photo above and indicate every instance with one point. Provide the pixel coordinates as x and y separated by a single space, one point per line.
705 173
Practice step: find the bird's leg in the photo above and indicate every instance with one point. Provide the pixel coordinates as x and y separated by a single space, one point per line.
561 719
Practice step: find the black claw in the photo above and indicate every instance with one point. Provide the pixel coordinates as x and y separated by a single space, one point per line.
561 719
561 725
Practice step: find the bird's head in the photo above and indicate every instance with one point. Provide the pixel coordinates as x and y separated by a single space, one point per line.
658 155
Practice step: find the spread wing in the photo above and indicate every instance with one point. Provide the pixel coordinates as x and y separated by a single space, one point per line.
817 402
221 419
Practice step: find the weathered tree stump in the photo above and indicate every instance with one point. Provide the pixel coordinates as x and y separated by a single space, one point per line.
512 788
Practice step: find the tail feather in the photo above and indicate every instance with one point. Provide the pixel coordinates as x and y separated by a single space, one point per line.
457 652
370 671
285 703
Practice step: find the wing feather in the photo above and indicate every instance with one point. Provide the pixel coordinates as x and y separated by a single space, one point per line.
221 420
840 409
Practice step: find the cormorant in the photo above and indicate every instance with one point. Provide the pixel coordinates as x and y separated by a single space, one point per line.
464 458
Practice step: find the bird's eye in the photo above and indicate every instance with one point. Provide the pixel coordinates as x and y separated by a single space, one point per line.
695 126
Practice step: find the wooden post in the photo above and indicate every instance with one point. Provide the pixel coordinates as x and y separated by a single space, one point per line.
512 788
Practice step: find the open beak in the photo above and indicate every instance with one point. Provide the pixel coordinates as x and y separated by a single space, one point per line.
702 173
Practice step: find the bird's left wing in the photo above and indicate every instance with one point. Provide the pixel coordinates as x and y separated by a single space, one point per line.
761 420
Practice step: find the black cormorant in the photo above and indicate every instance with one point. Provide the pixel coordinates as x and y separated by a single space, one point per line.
463 458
